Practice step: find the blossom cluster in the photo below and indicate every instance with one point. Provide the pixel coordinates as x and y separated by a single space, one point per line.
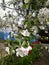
43 15
20 51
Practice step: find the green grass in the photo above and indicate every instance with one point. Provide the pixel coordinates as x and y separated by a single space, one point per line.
2 41
13 60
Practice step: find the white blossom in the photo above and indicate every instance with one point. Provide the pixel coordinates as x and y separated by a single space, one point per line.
13 51
26 1
15 29
20 4
34 29
20 22
13 1
46 47
12 33
7 50
47 23
23 51
34 14
25 33
43 14
42 27
7 0
0 1
2 12
29 48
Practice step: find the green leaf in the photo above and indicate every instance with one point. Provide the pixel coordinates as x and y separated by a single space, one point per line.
27 38
24 6
25 44
36 21
18 40
48 19
8 40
